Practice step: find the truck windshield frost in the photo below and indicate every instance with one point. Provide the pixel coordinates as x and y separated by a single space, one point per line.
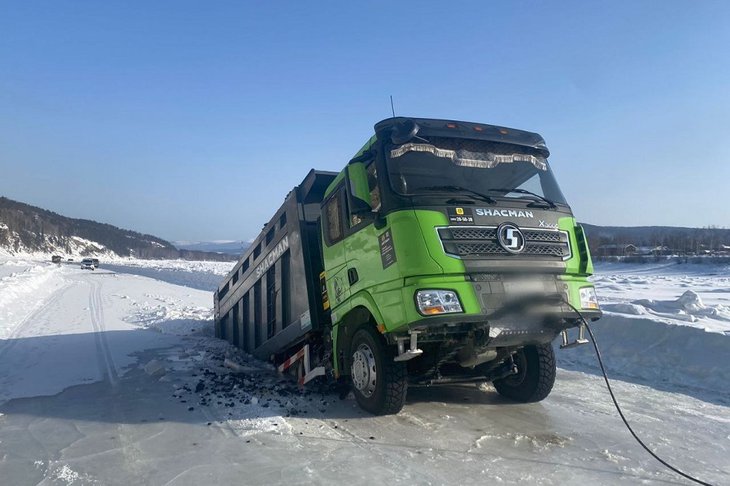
471 167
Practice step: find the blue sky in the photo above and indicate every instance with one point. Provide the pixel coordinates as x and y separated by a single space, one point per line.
192 120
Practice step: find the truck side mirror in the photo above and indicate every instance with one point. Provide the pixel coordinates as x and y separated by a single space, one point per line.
358 194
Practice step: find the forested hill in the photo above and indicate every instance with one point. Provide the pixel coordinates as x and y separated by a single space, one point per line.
28 229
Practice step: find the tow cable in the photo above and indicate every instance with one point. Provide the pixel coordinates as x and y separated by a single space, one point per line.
618 408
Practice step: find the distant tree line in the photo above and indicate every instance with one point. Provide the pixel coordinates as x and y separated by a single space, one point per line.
682 241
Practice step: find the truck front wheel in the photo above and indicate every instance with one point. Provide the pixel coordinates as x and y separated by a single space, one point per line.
379 383
535 374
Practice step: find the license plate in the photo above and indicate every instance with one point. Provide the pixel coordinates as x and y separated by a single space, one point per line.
524 287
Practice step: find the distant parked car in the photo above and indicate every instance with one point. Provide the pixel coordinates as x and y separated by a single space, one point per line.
87 264
96 262
70 260
56 259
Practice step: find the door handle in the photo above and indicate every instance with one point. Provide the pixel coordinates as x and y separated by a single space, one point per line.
352 276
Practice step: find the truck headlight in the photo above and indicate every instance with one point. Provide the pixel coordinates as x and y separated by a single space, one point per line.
588 299
432 302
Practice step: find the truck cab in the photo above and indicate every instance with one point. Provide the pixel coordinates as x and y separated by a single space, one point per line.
450 254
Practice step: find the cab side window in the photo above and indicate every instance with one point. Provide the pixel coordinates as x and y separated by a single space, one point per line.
333 218
374 194
373 186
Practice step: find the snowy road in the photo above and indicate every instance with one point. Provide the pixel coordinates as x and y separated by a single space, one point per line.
77 407
67 338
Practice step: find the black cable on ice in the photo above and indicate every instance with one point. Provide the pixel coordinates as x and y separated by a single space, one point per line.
618 408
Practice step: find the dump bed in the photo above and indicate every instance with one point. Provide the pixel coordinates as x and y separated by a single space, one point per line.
271 299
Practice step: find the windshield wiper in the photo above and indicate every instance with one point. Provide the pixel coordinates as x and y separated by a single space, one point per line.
547 201
454 188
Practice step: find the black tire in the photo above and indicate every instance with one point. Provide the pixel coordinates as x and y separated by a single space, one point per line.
535 375
387 391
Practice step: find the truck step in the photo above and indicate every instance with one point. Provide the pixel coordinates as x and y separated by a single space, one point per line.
581 339
410 353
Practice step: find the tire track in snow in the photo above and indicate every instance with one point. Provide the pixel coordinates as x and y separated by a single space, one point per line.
103 353
12 338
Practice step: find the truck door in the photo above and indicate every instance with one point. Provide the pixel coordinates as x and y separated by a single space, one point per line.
333 229
369 250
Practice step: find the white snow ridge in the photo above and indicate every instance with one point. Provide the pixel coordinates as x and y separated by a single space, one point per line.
688 307
679 342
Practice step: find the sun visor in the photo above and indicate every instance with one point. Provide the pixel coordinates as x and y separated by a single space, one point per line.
459 129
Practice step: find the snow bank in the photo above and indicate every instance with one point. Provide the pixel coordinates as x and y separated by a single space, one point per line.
689 305
171 316
24 281
22 291
194 274
665 325
218 268
656 352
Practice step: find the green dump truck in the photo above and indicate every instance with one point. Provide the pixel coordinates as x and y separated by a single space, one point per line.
443 252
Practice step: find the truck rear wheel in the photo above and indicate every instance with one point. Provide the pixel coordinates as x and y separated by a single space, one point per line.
379 383
535 374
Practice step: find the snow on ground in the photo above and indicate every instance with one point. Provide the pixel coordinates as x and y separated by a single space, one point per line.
24 288
198 275
694 294
112 377
218 268
663 325
63 326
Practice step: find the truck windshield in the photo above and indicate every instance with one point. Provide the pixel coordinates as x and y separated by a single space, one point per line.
492 169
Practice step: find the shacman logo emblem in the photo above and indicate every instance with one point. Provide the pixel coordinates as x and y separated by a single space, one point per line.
459 210
510 238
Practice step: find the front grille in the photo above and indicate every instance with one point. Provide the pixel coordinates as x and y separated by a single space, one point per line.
478 249
468 233
532 235
482 242
559 250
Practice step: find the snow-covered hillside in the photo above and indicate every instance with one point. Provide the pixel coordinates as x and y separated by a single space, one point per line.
29 230
112 377
26 229
44 246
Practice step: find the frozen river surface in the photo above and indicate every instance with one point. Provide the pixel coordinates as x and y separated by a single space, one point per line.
113 378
